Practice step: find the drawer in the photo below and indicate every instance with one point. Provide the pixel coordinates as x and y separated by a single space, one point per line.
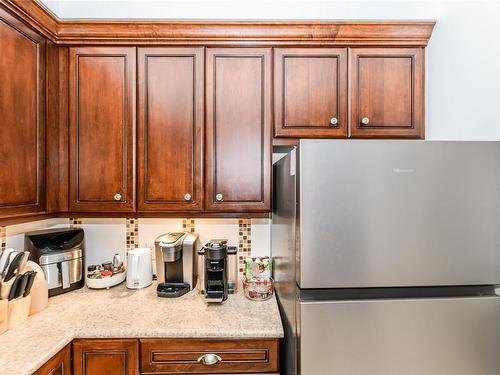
183 356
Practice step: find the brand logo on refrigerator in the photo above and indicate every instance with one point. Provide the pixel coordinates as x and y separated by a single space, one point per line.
403 170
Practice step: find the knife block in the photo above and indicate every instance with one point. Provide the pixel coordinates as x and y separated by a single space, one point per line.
18 311
4 310
39 295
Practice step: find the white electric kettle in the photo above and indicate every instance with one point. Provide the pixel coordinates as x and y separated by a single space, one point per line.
139 268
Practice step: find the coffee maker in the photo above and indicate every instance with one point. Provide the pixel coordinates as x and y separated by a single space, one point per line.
218 270
175 263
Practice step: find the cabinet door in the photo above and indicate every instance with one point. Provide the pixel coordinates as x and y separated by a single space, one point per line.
102 127
238 115
387 92
60 364
310 92
22 118
171 82
101 356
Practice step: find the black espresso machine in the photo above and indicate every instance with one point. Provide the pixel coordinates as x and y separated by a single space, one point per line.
218 270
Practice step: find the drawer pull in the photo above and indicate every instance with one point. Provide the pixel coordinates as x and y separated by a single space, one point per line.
209 359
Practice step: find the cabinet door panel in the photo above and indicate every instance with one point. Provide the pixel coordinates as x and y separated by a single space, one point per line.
174 356
310 92
102 123
111 357
170 128
387 92
238 129
22 124
60 364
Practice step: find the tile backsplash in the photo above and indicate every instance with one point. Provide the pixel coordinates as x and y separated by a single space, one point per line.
2 238
107 236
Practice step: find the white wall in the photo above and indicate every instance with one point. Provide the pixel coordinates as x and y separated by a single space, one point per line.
245 9
106 236
463 80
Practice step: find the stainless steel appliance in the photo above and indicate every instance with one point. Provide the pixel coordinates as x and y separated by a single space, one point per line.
218 270
60 254
386 256
176 263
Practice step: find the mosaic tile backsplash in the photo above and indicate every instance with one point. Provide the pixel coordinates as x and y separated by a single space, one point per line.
188 225
132 233
107 236
244 242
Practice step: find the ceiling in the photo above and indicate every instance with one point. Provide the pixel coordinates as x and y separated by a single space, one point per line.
245 9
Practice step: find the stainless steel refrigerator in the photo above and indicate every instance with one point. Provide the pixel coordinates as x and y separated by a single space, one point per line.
386 256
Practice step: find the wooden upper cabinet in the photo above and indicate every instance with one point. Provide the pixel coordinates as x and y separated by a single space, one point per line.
22 118
105 356
170 129
387 92
310 92
238 127
101 128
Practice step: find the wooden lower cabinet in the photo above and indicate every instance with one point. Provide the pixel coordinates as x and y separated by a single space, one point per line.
165 356
60 364
209 356
105 356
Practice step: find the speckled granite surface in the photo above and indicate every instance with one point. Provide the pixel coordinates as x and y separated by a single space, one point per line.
120 313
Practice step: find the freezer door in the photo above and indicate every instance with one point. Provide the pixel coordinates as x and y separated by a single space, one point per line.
399 213
401 337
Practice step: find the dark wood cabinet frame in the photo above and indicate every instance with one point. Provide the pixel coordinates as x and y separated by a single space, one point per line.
57 36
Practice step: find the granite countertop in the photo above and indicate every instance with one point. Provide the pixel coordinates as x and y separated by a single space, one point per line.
121 313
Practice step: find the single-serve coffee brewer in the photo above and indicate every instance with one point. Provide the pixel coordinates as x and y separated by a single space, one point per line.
175 263
218 270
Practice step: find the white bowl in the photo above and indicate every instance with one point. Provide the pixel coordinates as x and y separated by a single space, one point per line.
106 282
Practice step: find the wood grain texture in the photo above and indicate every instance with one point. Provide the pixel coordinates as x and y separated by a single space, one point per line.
57 128
387 88
79 32
35 15
170 129
310 88
22 108
105 356
172 356
238 128
102 128
59 364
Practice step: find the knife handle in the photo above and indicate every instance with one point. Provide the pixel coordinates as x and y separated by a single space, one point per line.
29 284
14 287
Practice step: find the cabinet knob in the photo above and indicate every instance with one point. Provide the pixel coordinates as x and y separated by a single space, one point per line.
118 197
187 197
209 359
365 120
219 197
334 121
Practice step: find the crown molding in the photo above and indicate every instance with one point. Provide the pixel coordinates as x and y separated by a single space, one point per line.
84 32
